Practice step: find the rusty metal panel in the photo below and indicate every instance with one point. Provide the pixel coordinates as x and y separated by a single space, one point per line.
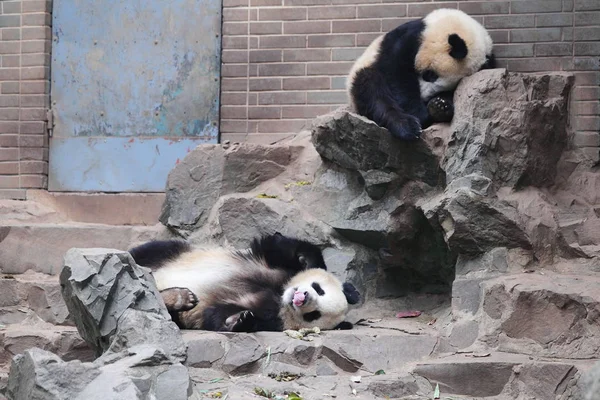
147 70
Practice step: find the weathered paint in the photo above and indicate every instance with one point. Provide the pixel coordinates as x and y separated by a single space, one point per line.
115 164
131 69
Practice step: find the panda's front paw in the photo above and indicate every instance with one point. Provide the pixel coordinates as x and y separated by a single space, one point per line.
244 321
408 129
440 109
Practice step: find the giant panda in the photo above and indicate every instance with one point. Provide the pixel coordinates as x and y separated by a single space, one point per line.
405 78
278 283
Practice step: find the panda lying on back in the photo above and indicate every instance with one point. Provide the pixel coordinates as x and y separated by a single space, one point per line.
279 283
395 80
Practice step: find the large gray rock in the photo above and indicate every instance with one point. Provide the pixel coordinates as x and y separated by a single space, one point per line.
211 171
356 143
115 303
142 372
509 127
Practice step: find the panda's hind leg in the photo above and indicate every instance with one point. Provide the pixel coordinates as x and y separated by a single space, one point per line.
441 107
179 299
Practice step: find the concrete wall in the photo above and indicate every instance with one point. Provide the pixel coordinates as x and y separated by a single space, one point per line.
284 61
24 95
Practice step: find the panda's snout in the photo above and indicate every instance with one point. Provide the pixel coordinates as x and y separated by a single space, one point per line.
300 298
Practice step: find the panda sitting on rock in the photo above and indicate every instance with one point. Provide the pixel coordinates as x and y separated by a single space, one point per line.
405 78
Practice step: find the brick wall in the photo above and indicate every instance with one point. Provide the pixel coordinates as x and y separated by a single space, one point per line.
284 61
24 94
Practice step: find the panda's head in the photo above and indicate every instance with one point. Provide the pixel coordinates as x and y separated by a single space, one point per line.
317 298
453 45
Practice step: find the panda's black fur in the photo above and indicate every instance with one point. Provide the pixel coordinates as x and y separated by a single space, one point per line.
246 287
385 83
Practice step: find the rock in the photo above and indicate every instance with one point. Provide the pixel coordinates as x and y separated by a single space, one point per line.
356 143
473 224
589 385
517 309
509 127
245 350
115 303
211 171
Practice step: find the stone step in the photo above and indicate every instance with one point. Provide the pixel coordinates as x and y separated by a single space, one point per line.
502 375
41 247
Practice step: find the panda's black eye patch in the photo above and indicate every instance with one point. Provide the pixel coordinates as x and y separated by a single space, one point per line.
318 288
429 76
311 316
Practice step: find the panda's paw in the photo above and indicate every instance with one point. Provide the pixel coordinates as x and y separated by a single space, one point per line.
408 129
179 299
244 321
440 109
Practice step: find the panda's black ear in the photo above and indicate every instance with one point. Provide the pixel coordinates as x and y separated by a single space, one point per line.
352 295
458 47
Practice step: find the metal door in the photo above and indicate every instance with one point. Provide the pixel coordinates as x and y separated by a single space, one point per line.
135 86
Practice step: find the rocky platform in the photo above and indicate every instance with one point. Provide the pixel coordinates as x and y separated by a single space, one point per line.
489 226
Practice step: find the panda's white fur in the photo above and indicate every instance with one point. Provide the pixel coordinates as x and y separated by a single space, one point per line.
434 50
332 305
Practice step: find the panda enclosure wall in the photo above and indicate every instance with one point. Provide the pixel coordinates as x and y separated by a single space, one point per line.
284 62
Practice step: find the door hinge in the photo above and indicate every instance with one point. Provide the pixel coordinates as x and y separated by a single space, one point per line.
50 121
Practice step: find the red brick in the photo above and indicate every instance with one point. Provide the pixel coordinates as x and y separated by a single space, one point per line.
499 36
34 73
262 3
331 40
34 167
261 56
9 168
233 98
33 153
11 7
235 14
33 181
11 34
587 108
307 55
228 112
235 42
586 93
33 127
7 21
306 27
282 69
535 35
235 3
420 10
253 43
485 7
9 74
282 14
304 111
9 100
347 54
10 47
587 18
328 68
234 56
587 123
360 26
36 46
233 126
553 49
264 84
9 181
365 39
586 5
33 114
282 42
382 11
233 84
265 28
9 114
252 98
35 60
586 34
546 20
36 19
392 23
280 98
335 12
254 14
32 141
264 112
535 6
329 97
11 61
587 49
41 32
235 28
289 3
9 127
285 125
532 64
509 21
9 154
305 83
234 70
586 139
37 6
8 140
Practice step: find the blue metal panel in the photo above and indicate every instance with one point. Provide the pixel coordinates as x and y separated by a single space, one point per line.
131 69
115 164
